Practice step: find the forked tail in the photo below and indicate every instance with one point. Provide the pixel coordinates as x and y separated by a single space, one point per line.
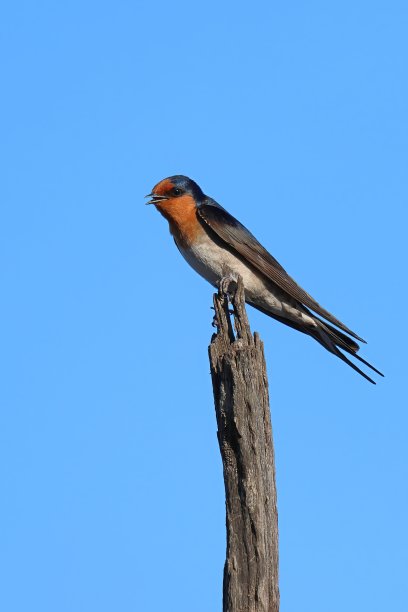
328 336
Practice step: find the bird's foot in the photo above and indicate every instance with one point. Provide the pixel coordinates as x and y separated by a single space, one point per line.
228 286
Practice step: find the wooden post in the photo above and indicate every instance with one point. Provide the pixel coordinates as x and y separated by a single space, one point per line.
240 388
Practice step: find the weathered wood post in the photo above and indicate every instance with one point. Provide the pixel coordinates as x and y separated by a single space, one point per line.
241 399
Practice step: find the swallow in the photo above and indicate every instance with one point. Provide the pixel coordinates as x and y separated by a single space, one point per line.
218 246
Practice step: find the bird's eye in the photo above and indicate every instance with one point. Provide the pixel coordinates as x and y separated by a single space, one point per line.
177 191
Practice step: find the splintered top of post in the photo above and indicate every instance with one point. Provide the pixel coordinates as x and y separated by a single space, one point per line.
232 293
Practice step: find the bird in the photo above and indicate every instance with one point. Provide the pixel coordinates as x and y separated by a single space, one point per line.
218 246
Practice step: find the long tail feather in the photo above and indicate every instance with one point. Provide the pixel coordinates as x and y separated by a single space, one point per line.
329 337
353 365
346 344
369 365
325 340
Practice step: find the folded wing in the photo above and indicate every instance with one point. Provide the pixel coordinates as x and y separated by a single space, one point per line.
238 238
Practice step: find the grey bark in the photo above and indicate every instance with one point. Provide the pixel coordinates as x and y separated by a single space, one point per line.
241 399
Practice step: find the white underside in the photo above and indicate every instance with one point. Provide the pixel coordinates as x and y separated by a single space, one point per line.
213 262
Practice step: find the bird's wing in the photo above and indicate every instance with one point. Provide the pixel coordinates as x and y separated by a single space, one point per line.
237 237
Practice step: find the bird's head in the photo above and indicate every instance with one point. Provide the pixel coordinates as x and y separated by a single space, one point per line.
173 190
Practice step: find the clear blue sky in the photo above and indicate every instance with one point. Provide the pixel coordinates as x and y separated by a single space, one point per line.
295 119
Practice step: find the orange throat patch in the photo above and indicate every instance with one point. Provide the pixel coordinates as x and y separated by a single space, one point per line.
181 213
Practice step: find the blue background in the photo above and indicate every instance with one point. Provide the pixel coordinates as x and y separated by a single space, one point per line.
295 119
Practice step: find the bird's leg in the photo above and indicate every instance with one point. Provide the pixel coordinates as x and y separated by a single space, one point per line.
228 286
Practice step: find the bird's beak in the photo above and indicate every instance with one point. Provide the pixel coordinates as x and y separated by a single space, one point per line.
155 198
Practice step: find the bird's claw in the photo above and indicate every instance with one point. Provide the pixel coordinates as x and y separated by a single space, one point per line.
228 286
